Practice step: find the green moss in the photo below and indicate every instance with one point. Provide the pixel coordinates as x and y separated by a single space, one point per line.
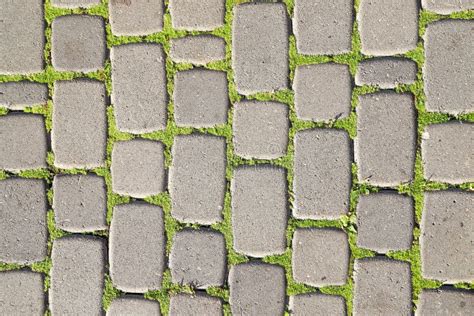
110 293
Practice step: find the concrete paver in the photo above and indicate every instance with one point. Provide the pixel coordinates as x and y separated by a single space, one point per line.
198 49
445 301
386 73
203 15
21 293
317 305
133 305
71 4
137 17
447 6
18 95
197 304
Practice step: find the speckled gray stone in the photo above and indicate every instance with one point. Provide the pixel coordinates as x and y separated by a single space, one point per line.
257 289
139 87
447 241
322 174
18 95
197 304
447 6
198 50
386 73
260 47
136 17
445 301
137 247
317 304
74 3
133 305
203 15
21 293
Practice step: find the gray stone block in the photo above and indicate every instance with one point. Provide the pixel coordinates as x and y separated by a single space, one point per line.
323 92
388 27
260 47
322 174
197 304
79 135
257 289
133 305
23 229
198 50
21 293
322 27
445 301
386 73
22 37
80 203
448 152
386 138
203 15
78 43
138 168
137 247
140 17
382 287
21 94
259 210
260 129
139 87
316 304
25 137
448 67
77 275
447 243
447 6
70 4
200 98
320 257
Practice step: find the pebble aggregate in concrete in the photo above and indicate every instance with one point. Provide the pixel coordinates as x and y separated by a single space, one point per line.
386 73
21 293
70 4
196 304
137 17
133 305
203 15
317 305
19 95
198 49
447 6
445 301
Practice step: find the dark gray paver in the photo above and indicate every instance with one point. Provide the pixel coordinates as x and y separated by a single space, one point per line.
18 95
24 135
203 15
386 138
447 242
79 134
139 87
448 152
447 6
137 247
197 304
322 27
21 293
322 174
80 203
448 67
198 50
23 230
257 289
322 92
445 301
78 43
260 47
320 257
317 305
138 168
140 17
382 287
260 129
388 27
386 73
22 36
77 275
133 305
74 3
200 98
259 210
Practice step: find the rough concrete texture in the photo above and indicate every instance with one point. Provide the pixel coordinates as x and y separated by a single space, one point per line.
445 301
137 17
21 293
197 304
386 73
133 305
317 305
21 94
70 4
198 49
203 15
447 6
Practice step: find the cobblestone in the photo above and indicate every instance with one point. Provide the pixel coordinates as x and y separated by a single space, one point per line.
136 17
447 6
133 305
445 301
197 304
19 95
386 73
21 293
198 50
317 305
204 15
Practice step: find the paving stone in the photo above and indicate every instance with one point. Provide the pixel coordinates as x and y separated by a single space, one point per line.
448 67
22 36
138 168
322 174
21 94
77 275
388 27
198 304
200 98
139 87
259 210
133 305
385 221
257 289
260 47
260 129
447 242
386 73
317 305
320 257
447 6
74 3
323 92
204 15
382 287
25 137
23 229
78 43
79 135
445 302
198 50
21 293
137 241
137 17
322 27
386 138
80 203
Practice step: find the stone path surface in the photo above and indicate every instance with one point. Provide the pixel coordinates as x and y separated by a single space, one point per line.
237 157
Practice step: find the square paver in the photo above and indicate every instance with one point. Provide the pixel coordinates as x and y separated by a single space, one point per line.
22 94
317 305
198 49
133 305
445 301
197 304
137 17
203 15
386 72
22 293
447 6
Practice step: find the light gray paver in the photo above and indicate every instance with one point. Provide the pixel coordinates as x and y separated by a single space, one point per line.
74 3
23 231
197 304
198 49
447 241
447 6
133 305
260 47
316 304
386 73
18 95
137 247
445 301
138 168
386 138
137 17
203 15
77 276
448 67
79 135
139 87
257 289
259 210
21 293
320 257
322 174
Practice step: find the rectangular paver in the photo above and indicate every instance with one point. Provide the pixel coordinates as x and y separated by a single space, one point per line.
447 6
21 293
445 301
203 15
197 304
21 94
198 49
133 305
137 17
386 72
317 305
70 4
